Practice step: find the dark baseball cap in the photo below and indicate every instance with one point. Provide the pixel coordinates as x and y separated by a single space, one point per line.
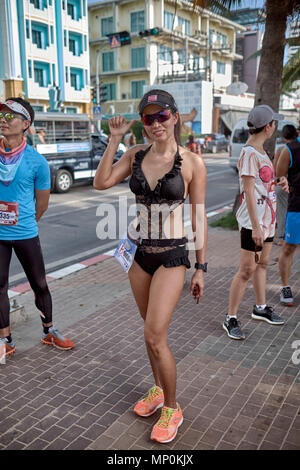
261 115
156 97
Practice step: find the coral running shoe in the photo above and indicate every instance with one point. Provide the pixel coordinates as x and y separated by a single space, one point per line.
153 401
54 338
6 348
165 430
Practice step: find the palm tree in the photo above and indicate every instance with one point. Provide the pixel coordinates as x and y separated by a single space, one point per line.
268 84
291 70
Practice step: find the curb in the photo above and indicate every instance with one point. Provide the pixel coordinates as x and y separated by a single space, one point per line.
59 274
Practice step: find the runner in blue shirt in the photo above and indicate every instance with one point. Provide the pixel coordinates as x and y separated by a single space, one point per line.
24 197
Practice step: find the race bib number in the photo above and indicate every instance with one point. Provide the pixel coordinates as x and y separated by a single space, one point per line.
125 253
9 213
272 196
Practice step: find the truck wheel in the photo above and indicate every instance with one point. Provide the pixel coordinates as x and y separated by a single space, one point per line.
63 181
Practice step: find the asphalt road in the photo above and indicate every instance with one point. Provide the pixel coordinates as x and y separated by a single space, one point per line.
68 229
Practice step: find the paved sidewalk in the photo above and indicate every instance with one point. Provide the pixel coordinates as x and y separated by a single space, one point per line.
234 395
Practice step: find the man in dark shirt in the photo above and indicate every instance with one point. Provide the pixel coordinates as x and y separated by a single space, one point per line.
289 164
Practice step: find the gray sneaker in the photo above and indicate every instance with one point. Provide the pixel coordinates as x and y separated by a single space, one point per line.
267 314
286 296
232 328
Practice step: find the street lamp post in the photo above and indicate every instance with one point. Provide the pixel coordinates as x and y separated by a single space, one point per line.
97 76
98 52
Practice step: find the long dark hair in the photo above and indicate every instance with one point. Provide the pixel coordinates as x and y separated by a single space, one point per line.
177 128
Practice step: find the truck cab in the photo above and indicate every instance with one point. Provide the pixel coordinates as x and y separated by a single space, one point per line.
71 149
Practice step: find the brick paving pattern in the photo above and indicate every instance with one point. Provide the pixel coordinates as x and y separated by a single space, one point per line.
234 395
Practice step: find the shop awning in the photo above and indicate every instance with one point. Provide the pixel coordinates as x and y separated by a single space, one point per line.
230 118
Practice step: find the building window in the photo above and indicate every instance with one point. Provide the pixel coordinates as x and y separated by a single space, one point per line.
75 43
71 110
71 10
86 77
221 67
186 25
65 38
39 4
137 21
168 20
165 53
76 78
107 26
41 73
39 34
27 29
29 69
108 61
53 73
137 88
37 38
222 38
74 9
67 74
38 109
111 91
181 56
85 42
138 57
51 35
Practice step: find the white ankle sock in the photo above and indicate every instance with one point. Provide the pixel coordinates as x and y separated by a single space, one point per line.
261 307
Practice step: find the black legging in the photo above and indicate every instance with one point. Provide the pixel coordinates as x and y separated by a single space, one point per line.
30 255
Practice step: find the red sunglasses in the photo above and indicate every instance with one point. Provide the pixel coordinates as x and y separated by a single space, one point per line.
161 116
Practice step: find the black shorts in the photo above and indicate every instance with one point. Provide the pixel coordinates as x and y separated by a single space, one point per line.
247 242
150 262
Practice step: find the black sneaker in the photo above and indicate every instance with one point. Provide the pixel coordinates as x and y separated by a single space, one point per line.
232 328
267 314
286 296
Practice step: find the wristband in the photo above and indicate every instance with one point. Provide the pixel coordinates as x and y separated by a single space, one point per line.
201 266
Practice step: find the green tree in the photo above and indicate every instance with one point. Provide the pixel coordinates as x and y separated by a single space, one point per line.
269 78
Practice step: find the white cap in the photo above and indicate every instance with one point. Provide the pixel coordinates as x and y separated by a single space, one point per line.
16 107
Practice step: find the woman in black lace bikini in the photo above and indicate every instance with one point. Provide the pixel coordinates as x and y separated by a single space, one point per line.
163 174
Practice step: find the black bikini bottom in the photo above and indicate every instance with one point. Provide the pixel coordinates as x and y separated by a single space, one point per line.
150 262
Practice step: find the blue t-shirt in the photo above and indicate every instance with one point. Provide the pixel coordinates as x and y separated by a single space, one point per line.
33 174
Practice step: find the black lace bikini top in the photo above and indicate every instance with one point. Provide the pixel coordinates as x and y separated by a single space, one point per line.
169 189
154 207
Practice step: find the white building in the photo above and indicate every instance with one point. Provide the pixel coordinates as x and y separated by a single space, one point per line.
45 42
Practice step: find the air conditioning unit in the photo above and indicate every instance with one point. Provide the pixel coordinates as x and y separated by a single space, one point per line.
125 96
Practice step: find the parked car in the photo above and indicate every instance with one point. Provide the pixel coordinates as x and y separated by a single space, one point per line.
240 136
215 143
73 153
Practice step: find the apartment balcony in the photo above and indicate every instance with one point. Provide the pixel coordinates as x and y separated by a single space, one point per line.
81 61
80 26
39 53
45 15
35 91
77 96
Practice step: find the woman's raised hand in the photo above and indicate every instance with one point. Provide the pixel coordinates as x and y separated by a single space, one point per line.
118 126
